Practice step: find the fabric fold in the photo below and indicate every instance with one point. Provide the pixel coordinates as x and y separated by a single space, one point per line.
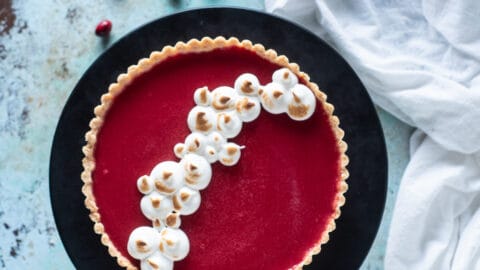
420 61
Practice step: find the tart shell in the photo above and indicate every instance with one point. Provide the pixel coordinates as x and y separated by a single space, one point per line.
206 44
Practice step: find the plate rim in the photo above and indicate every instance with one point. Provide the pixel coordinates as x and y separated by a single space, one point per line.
166 17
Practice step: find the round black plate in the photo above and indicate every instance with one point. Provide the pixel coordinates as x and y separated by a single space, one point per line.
361 215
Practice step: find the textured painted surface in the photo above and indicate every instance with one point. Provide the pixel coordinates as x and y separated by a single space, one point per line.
45 46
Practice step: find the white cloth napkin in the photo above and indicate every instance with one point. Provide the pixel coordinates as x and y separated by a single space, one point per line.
419 60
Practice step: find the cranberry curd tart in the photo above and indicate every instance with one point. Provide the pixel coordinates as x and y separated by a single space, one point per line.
214 154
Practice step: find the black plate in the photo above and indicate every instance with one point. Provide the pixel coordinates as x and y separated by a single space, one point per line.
361 215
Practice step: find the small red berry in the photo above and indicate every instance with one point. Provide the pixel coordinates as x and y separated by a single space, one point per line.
103 28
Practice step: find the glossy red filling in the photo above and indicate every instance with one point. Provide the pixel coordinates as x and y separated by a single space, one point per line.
264 213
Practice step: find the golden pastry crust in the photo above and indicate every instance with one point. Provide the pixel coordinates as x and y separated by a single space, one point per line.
206 44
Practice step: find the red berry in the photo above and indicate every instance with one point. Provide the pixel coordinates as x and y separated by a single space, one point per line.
103 28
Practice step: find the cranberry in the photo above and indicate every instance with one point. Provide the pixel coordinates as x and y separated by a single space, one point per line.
103 28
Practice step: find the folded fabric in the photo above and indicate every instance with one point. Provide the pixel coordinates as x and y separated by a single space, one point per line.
419 60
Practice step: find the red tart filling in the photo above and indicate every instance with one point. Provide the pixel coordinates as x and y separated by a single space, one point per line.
266 212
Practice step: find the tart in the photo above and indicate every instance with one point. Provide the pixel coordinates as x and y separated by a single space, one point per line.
271 210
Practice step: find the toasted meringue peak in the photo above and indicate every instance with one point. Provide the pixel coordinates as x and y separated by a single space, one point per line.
142 242
197 171
158 224
248 108
156 206
285 77
156 261
229 154
167 177
175 244
216 140
201 119
228 124
145 184
187 201
202 96
223 98
277 94
173 220
247 84
274 98
303 103
195 143
180 150
210 153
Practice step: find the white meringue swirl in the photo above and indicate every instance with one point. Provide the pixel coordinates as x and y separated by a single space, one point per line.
167 177
223 98
145 184
247 84
229 124
201 119
248 108
156 206
285 77
186 201
229 154
143 242
157 261
202 96
197 171
173 220
210 154
216 140
274 98
174 244
302 104
195 142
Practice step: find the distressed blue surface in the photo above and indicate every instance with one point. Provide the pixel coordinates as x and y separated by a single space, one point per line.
42 56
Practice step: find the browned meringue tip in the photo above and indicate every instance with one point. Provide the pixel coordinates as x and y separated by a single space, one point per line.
176 204
161 187
202 122
172 219
277 94
184 196
299 111
144 186
247 87
141 246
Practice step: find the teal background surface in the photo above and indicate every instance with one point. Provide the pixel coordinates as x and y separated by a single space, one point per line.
45 46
